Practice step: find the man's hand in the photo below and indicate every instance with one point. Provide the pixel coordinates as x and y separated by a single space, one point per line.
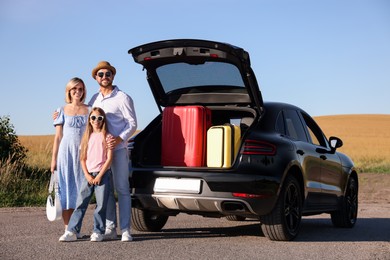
55 115
113 141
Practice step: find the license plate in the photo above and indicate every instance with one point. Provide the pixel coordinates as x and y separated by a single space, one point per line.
177 185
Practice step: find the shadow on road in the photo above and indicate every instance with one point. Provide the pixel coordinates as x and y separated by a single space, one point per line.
312 230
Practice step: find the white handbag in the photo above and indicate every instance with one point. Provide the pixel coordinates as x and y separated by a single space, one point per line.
53 203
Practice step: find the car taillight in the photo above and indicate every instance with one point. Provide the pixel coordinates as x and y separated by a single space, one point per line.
250 196
256 147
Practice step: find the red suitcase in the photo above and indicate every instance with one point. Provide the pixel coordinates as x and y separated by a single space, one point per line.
184 131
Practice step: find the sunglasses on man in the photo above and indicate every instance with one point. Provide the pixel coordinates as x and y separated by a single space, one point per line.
102 74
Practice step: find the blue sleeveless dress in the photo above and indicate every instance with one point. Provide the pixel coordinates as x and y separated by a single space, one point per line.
70 173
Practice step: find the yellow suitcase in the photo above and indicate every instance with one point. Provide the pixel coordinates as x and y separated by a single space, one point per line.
223 142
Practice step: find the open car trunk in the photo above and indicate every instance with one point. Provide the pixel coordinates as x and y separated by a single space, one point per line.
208 97
148 146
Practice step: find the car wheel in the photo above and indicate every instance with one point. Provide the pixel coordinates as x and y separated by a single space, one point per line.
284 222
145 220
347 215
235 218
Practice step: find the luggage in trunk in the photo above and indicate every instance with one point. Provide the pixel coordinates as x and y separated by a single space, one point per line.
184 130
223 142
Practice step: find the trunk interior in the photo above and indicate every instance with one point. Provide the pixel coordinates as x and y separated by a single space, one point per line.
146 151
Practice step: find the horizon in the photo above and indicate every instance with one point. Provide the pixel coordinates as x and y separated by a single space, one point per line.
314 117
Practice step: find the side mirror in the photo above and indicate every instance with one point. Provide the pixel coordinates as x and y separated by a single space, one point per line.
335 142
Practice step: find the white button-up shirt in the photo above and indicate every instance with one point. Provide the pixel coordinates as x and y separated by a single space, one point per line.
119 109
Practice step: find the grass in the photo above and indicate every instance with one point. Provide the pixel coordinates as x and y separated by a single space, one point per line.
22 185
26 184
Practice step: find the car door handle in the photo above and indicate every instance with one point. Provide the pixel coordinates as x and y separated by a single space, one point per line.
300 152
323 157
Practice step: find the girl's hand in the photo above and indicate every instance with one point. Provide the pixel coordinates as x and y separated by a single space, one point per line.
90 179
97 180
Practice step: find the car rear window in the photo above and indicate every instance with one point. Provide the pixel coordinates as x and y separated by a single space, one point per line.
209 74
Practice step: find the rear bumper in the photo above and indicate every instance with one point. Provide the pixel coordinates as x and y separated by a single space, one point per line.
195 205
217 195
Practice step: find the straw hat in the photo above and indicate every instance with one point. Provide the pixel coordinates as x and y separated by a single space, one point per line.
103 65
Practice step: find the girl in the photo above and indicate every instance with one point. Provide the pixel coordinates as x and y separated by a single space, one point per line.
95 160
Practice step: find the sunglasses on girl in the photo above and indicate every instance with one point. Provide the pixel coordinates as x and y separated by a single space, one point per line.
102 74
99 118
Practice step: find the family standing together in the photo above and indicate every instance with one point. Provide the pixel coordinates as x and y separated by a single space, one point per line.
90 155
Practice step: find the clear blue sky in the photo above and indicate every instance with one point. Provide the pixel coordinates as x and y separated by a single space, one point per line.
328 57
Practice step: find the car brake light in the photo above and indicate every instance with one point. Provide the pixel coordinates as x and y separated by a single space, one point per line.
214 55
255 147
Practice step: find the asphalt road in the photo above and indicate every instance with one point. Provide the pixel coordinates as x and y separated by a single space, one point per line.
25 233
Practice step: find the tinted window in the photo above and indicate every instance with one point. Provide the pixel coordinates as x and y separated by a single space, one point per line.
280 124
294 127
316 135
182 75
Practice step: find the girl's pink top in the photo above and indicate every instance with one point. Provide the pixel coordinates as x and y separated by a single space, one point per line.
96 153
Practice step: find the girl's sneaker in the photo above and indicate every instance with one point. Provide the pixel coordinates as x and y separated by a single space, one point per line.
96 237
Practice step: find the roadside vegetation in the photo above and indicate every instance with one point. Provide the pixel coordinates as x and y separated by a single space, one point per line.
25 160
21 184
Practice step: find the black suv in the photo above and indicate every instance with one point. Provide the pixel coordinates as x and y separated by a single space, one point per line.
218 150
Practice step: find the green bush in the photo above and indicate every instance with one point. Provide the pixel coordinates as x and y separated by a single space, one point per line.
10 147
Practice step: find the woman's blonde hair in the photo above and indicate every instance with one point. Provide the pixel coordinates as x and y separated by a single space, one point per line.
89 130
71 84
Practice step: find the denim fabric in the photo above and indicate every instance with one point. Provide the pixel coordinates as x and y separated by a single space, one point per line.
83 199
120 181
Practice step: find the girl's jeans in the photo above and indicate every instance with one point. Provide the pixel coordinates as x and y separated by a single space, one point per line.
83 199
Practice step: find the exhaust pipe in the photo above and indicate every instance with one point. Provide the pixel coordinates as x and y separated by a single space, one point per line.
233 206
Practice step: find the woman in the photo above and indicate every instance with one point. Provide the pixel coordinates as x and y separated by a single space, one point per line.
70 125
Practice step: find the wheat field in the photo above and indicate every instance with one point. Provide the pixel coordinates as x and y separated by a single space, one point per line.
366 137
39 149
366 140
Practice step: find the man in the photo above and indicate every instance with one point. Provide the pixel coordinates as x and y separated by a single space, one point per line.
122 123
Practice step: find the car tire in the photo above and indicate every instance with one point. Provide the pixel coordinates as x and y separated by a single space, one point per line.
284 222
235 218
347 215
145 220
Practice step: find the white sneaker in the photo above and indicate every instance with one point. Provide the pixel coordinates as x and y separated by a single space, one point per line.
110 234
96 237
126 237
68 236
